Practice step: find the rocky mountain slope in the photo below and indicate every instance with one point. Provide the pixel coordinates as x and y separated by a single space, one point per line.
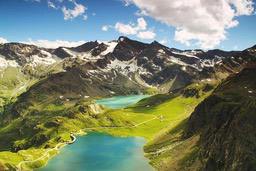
148 65
226 123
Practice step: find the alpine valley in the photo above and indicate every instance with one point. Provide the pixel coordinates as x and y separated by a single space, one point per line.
198 112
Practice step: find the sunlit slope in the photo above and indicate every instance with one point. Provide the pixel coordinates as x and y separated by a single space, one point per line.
164 112
219 134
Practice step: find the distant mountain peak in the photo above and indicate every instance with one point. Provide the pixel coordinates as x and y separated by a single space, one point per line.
253 48
156 42
122 38
86 46
158 45
154 62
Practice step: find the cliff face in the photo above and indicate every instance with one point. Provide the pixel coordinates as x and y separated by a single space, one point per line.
225 122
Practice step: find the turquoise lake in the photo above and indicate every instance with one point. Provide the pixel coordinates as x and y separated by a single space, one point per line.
102 152
118 102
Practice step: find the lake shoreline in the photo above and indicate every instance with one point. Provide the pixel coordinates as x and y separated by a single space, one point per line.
81 136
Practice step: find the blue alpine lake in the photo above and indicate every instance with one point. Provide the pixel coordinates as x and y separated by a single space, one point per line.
101 152
118 102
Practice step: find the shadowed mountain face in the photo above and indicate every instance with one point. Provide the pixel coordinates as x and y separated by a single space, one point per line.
226 124
85 47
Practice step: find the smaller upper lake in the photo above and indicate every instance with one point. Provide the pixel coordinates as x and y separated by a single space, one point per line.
119 102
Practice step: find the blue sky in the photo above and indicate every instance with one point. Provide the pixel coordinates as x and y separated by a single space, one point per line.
31 20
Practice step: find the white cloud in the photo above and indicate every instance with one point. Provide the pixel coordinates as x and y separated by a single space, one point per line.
141 13
51 5
163 42
54 44
127 2
146 35
78 10
69 13
202 21
131 29
243 7
140 29
126 29
85 17
142 24
105 28
3 40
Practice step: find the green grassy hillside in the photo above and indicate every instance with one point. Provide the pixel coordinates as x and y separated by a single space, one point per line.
48 124
16 80
219 134
13 82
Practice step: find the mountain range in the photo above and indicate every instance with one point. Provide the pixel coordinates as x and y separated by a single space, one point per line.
143 65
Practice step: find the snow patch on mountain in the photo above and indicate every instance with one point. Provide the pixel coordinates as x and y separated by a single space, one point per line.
174 60
70 52
37 60
187 54
211 63
111 47
89 57
46 54
7 63
126 67
161 51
